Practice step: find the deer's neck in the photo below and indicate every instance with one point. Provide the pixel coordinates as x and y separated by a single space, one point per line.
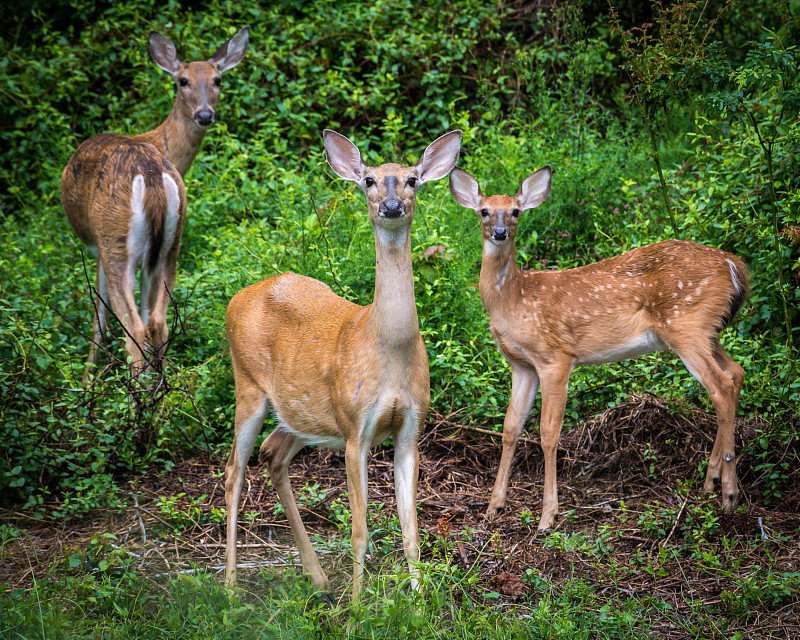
178 139
393 313
499 271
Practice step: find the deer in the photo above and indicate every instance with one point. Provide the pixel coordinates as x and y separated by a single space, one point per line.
337 374
674 294
125 199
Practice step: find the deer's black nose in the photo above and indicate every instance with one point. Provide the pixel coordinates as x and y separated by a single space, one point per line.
393 207
499 233
204 116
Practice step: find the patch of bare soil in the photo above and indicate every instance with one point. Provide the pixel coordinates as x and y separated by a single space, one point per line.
619 472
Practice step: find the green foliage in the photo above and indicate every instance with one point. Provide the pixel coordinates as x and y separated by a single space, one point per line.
308 495
183 513
527 87
662 62
763 92
770 587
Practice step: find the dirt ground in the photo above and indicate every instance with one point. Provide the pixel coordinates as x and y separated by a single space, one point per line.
615 472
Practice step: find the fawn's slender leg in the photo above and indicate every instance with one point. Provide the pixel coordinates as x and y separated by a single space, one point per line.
722 381
554 399
524 385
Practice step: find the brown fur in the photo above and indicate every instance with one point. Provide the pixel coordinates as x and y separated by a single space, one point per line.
91 176
179 137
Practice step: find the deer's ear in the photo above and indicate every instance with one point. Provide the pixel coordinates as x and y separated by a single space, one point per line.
465 189
535 188
440 157
343 156
163 53
231 53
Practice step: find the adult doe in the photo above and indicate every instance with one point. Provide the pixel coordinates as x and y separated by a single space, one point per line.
125 199
672 294
337 374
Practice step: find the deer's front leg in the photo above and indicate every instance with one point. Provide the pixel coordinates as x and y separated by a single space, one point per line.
524 385
554 399
406 473
356 455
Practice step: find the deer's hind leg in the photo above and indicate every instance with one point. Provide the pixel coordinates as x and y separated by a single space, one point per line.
251 410
277 452
161 283
99 320
158 283
120 283
719 454
722 378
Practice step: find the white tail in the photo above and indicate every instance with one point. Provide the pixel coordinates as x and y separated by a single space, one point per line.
337 374
124 197
673 294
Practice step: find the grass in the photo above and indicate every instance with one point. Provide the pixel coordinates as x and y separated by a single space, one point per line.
97 601
277 606
629 569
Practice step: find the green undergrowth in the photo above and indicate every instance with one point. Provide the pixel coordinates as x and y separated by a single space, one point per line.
676 120
104 590
196 606
99 594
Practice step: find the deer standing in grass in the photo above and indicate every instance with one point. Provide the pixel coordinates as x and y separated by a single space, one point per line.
673 294
337 374
125 199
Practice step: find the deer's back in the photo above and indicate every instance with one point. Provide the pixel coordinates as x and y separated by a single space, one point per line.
284 323
622 306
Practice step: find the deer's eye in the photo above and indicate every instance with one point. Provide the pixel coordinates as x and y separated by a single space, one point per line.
515 213
484 212
368 182
217 81
183 82
412 182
